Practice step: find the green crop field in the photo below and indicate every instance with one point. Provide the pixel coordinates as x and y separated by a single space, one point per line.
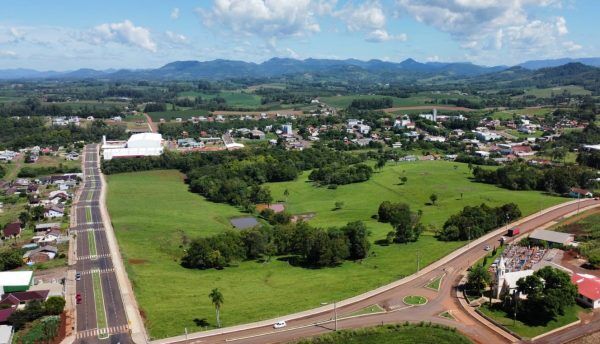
154 215
233 98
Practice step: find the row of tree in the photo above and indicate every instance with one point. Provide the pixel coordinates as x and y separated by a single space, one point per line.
303 244
475 221
522 176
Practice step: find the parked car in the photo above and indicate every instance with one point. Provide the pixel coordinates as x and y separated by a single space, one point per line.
280 324
78 276
513 232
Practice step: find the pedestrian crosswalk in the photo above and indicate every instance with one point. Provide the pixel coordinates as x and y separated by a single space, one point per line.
105 255
97 270
86 230
102 332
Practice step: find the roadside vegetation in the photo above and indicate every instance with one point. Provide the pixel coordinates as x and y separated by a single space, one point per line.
424 333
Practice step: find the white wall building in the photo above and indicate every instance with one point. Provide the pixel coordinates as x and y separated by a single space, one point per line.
144 144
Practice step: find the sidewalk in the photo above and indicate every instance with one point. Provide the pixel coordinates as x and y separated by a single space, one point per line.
136 324
429 268
70 288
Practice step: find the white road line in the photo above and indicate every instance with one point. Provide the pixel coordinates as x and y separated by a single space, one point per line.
104 331
105 255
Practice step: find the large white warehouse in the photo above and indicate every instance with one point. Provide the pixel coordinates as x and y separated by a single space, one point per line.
145 144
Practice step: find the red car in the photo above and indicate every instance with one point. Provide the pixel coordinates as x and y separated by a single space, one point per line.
78 298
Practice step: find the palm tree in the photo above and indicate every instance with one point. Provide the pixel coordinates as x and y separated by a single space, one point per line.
217 300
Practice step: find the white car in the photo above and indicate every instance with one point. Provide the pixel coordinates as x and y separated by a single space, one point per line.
280 324
487 247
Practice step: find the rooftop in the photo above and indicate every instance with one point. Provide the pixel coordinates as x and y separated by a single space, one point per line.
552 236
588 285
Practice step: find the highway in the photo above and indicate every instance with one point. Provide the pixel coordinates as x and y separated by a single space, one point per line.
396 311
101 315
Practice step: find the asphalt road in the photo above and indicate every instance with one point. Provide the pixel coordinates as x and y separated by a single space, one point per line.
89 219
397 312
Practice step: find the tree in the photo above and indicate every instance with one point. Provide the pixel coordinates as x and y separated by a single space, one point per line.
380 164
404 179
338 205
216 297
359 244
286 193
549 292
478 279
24 217
433 198
54 305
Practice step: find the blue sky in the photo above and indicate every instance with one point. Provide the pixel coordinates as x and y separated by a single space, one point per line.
68 34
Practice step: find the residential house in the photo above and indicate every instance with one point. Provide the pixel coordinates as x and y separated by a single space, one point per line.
580 193
40 255
55 211
588 288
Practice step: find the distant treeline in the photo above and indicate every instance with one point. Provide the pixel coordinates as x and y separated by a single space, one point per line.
28 132
32 172
522 176
235 177
304 245
371 103
33 107
473 222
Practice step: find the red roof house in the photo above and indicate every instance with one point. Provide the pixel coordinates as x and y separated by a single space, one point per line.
589 289
12 230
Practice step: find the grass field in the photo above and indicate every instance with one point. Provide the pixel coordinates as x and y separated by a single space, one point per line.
367 310
233 98
528 331
415 300
154 215
400 334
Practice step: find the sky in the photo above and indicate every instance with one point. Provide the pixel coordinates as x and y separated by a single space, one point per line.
72 34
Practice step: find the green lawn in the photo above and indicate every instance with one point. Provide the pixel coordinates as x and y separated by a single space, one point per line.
528 331
367 310
101 321
415 300
233 98
435 283
154 215
399 334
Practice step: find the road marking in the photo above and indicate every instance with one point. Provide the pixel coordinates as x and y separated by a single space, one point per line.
104 255
86 230
101 271
97 332
101 320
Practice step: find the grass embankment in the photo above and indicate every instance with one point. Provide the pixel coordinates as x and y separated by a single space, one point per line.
154 215
392 334
528 330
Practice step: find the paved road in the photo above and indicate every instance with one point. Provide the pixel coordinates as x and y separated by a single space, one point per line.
91 237
439 301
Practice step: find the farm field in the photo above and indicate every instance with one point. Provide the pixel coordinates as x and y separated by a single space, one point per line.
416 100
154 215
548 92
233 98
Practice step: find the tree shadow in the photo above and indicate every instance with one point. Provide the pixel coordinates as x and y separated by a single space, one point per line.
382 242
201 322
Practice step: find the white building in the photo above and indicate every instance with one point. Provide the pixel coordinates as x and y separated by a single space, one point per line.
506 282
144 144
588 288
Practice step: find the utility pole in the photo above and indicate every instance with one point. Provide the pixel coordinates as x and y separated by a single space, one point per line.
335 314
418 261
578 202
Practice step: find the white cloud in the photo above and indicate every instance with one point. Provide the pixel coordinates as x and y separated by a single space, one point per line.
7 54
267 18
176 37
433 58
291 53
124 33
572 46
484 25
175 13
367 16
381 35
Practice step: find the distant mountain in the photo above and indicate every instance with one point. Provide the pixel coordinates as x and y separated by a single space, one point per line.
275 67
350 69
538 64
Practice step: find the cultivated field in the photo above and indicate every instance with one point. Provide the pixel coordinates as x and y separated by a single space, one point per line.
154 215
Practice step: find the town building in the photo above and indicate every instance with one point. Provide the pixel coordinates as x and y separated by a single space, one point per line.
138 145
13 281
552 237
588 288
